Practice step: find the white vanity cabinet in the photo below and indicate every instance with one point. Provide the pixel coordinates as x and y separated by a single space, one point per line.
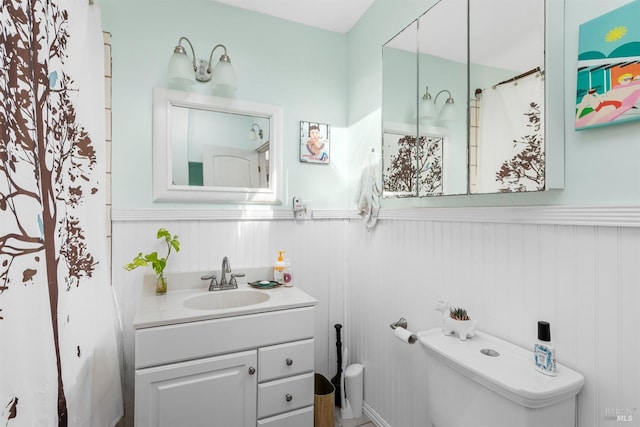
248 370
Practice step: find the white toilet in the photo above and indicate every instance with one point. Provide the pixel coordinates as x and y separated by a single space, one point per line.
487 382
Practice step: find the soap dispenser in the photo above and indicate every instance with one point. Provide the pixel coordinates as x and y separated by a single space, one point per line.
287 277
278 269
544 352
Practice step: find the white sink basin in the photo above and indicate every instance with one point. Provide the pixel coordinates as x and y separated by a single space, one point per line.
188 300
220 300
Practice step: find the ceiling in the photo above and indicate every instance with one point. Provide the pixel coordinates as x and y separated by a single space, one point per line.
333 15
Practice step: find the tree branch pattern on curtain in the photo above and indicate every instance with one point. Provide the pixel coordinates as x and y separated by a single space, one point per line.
415 163
47 165
525 170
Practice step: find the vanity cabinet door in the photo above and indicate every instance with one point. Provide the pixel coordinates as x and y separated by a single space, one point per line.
214 391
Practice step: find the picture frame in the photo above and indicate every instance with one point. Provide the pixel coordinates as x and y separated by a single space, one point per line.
608 74
315 143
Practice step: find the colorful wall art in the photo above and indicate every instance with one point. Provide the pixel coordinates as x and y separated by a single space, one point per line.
608 84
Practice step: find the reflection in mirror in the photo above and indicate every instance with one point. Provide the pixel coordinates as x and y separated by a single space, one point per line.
212 148
507 139
399 115
442 55
215 149
424 87
471 57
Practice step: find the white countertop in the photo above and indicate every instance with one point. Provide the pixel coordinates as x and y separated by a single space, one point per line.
168 309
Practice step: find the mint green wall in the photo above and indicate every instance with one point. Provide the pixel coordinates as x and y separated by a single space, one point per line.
602 166
301 68
322 76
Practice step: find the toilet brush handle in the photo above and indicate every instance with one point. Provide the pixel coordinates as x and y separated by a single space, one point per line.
336 379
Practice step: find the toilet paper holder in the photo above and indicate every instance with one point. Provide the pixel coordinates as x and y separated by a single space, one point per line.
402 323
401 331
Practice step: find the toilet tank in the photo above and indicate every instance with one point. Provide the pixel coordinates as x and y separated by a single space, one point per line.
487 382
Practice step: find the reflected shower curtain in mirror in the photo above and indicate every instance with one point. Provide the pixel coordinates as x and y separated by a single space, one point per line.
58 324
511 137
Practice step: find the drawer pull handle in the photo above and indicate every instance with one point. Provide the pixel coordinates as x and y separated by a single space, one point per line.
288 397
252 370
289 362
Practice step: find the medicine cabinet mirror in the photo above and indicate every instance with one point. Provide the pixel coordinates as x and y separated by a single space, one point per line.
212 149
464 106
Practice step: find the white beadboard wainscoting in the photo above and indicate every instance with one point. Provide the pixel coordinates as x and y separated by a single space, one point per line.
577 267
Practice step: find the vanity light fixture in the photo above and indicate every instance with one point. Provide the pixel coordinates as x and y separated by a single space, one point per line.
185 71
252 132
428 107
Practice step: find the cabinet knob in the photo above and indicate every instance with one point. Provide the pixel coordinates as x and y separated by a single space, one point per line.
252 370
289 362
288 397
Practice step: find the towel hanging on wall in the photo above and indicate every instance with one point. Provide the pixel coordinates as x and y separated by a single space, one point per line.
367 197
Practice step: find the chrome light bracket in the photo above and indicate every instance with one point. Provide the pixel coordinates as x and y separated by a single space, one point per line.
203 71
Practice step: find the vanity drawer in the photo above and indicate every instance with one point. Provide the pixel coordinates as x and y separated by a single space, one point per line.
276 397
284 360
300 418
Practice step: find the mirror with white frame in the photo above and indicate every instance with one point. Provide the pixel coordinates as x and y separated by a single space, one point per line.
465 59
213 149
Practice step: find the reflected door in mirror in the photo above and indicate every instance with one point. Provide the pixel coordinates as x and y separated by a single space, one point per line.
229 167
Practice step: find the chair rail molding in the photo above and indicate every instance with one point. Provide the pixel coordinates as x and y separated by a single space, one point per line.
613 216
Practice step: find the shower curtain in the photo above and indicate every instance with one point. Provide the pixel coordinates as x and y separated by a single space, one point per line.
59 361
511 137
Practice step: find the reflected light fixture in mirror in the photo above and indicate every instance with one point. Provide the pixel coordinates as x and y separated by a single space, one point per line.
429 107
185 71
252 132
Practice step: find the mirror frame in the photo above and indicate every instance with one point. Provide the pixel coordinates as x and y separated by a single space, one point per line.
163 189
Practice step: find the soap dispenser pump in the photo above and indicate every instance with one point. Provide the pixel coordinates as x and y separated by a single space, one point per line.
278 269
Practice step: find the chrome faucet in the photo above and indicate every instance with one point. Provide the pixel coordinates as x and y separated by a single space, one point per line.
226 268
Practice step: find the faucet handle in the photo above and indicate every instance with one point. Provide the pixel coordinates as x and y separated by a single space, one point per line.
213 283
232 281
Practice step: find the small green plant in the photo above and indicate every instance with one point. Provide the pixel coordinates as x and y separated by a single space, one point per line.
158 264
458 314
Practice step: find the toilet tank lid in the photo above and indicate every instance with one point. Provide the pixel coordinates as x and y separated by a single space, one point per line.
511 374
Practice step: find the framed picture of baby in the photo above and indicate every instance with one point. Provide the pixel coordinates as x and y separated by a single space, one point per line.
315 143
